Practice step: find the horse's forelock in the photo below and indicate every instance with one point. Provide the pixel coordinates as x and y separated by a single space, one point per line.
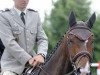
81 23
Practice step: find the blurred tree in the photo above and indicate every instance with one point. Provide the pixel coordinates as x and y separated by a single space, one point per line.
57 23
96 31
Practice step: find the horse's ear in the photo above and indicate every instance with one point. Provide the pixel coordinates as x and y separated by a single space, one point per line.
91 20
72 19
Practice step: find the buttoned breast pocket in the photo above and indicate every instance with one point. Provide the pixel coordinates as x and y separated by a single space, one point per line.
33 32
16 30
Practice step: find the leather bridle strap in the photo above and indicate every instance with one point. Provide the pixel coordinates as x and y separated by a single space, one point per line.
79 28
82 53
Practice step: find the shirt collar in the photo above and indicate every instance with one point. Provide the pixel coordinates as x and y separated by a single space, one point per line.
18 11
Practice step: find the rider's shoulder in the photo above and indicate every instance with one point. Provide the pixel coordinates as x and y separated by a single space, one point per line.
32 10
5 10
1 11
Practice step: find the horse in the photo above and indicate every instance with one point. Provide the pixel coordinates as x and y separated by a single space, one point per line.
73 54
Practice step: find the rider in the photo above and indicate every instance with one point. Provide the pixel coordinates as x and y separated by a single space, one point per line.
20 30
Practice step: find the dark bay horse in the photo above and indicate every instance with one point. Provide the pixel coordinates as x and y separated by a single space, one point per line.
73 53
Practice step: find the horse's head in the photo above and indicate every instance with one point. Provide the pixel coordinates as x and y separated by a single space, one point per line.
80 44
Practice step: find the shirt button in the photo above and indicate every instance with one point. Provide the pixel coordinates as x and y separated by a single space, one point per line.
28 47
27 39
27 30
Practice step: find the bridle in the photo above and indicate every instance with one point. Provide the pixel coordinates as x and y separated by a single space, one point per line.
78 55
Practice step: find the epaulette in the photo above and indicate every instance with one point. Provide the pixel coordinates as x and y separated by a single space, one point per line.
6 10
1 11
32 10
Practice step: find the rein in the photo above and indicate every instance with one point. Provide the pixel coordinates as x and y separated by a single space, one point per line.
48 74
43 70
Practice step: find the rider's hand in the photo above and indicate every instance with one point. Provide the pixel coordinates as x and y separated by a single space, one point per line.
36 60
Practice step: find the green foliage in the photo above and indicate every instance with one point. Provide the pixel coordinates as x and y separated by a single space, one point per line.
96 31
57 23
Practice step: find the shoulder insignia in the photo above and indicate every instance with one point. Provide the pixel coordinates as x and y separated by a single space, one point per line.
7 9
32 10
1 11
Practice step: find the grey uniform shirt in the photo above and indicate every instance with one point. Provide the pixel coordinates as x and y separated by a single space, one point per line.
19 39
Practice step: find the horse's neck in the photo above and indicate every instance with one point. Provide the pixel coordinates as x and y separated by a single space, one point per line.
56 65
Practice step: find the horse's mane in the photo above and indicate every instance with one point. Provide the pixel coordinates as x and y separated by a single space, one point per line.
49 55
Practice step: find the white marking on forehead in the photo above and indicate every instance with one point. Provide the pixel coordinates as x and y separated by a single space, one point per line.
81 23
86 41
